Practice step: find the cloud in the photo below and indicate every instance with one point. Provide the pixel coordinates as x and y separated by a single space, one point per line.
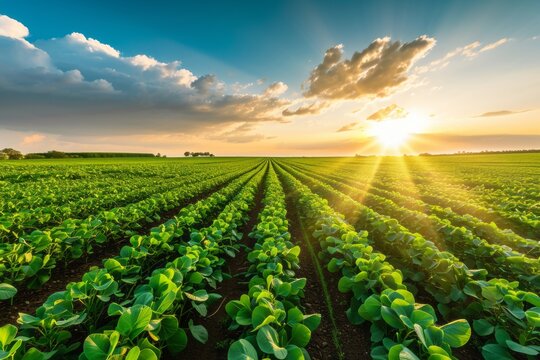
470 51
32 139
494 45
376 71
307 109
276 89
75 84
91 45
390 112
240 134
348 127
501 113
12 28
206 84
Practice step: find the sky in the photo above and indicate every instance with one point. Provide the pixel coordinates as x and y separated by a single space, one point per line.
270 77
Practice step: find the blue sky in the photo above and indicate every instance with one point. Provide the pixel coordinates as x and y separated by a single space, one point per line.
245 42
253 38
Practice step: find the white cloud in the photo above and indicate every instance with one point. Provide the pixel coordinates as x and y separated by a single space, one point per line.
276 89
12 28
470 51
75 84
376 71
494 45
92 45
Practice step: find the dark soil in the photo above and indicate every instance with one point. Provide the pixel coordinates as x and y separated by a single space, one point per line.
27 300
353 342
217 321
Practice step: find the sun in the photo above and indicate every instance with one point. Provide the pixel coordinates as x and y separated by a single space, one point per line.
393 133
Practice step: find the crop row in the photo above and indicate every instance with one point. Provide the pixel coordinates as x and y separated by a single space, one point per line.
269 314
505 317
32 258
434 190
472 250
400 327
96 196
490 232
136 287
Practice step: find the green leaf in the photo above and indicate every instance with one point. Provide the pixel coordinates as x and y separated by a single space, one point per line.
177 341
267 339
370 309
312 321
7 334
147 354
422 318
134 320
527 350
391 318
296 353
457 333
133 354
483 327
259 314
199 295
199 332
394 351
7 291
34 354
242 350
496 352
300 335
243 317
345 284
96 347
294 316
407 354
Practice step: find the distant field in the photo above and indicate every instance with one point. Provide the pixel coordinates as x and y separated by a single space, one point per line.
286 258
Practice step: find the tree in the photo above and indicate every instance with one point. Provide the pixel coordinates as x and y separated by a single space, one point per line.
12 153
53 154
3 156
187 153
158 155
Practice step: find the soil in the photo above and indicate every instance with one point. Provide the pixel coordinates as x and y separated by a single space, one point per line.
353 341
28 300
217 320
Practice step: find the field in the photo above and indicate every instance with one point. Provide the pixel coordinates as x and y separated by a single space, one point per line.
430 257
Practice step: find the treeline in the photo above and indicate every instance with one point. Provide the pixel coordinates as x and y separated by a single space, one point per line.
195 154
12 154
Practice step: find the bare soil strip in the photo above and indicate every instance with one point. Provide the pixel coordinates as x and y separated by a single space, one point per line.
336 337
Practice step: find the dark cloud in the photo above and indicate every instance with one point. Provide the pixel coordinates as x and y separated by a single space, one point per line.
390 112
205 84
375 71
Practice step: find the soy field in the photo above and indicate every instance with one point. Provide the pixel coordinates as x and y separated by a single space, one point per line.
434 257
